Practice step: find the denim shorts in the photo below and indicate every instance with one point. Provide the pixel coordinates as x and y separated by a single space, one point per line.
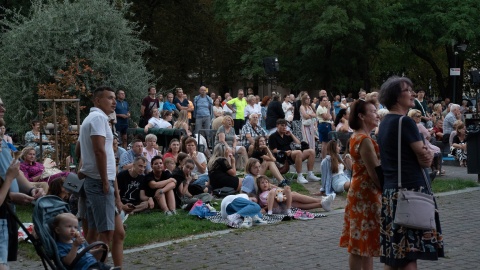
100 206
3 242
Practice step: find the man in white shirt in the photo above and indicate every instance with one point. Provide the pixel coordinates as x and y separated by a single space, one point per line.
95 146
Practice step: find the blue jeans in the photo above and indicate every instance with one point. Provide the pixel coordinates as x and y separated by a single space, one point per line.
202 179
244 208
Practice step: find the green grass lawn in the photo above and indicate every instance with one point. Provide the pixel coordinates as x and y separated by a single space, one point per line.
154 227
444 185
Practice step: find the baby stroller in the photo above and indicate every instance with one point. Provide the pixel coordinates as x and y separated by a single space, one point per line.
44 212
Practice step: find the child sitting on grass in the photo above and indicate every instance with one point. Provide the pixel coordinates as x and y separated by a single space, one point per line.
70 241
267 197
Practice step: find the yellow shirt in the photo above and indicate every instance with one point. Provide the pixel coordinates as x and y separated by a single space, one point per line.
321 110
239 106
190 106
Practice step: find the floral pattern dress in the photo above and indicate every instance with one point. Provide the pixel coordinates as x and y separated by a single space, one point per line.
361 228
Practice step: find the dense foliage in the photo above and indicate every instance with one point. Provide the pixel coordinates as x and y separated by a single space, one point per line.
34 47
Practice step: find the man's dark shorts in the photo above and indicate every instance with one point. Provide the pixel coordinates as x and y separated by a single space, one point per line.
323 130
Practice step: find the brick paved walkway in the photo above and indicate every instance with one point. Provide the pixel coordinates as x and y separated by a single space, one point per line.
311 244
307 244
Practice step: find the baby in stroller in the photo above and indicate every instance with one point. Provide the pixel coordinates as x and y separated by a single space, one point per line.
69 241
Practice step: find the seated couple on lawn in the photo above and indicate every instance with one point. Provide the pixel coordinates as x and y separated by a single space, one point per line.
140 192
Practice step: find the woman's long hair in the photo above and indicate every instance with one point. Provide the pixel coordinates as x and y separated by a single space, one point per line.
218 152
339 116
334 157
182 118
256 144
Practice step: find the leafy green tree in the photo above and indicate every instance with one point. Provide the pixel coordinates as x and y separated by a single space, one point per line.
318 43
430 29
56 32
189 47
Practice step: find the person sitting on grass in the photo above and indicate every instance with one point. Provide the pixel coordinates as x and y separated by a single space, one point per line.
185 189
298 200
200 171
56 188
127 158
173 149
168 164
268 200
70 241
334 178
129 183
280 142
160 185
262 153
221 168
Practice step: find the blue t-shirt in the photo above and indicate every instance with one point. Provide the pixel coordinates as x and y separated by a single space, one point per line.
336 105
122 107
85 261
248 184
412 176
167 106
202 106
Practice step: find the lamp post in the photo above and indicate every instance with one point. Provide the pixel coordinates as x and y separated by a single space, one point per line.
454 72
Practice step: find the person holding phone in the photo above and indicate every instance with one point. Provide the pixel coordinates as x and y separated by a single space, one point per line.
129 183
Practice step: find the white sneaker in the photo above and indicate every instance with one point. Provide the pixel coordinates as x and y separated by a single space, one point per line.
258 221
327 202
247 223
234 220
312 177
301 179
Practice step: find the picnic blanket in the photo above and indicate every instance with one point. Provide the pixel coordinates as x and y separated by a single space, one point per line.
270 219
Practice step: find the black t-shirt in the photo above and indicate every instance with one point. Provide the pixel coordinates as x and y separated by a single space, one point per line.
412 176
183 103
220 165
129 187
275 141
150 177
258 155
274 112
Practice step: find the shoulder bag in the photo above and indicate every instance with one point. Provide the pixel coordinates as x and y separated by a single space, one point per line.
415 210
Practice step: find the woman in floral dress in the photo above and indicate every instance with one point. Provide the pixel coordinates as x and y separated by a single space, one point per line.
361 228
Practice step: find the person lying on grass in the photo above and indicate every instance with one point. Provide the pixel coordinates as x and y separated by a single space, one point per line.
298 200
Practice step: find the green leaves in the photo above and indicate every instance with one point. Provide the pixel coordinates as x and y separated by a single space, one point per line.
37 46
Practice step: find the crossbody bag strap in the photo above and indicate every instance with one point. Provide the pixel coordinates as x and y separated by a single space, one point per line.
400 152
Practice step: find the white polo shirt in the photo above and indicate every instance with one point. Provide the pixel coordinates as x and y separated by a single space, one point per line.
96 123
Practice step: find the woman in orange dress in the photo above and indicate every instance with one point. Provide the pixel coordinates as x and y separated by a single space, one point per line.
361 228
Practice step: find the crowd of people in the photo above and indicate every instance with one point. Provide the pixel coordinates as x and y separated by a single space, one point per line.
254 135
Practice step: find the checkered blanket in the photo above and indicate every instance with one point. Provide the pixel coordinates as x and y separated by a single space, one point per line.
270 219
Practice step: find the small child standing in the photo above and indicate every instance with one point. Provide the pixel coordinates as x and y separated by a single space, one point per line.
267 197
70 242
